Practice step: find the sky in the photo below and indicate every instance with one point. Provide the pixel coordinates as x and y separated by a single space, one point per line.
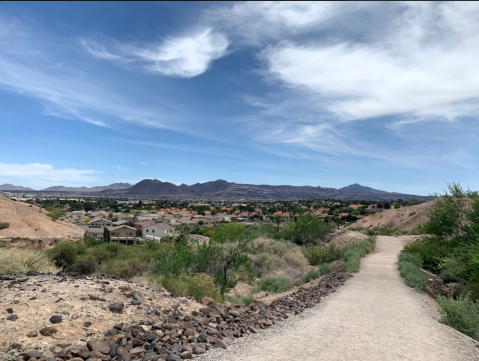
301 93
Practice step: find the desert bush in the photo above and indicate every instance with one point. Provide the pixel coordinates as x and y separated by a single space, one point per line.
83 264
413 258
197 286
325 268
461 314
274 284
237 299
21 261
64 254
306 230
322 254
354 251
4 225
411 272
265 263
202 285
311 275
279 248
353 260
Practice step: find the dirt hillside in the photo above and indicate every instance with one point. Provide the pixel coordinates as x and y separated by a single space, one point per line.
28 303
31 229
405 219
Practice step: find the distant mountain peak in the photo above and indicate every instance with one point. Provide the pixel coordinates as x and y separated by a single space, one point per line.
11 187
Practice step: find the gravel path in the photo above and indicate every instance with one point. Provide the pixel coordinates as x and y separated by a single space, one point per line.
375 316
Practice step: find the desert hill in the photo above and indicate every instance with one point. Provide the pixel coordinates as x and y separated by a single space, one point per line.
405 219
31 229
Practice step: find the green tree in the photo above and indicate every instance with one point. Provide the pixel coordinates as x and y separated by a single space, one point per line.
454 228
55 213
138 232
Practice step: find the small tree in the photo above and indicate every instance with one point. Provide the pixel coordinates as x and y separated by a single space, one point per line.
139 233
106 235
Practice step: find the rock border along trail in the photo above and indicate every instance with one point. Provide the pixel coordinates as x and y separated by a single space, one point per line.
375 316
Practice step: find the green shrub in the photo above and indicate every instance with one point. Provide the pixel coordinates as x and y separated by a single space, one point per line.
413 276
4 244
311 275
83 264
461 314
202 285
124 268
64 254
413 258
274 284
365 246
322 254
325 268
353 260
4 225
432 251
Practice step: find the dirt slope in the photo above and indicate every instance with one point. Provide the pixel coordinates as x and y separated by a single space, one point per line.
31 229
373 317
404 218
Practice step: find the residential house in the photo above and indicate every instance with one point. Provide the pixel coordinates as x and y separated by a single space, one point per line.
123 216
123 234
157 230
100 222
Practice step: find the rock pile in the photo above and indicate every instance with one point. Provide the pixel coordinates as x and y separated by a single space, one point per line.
185 336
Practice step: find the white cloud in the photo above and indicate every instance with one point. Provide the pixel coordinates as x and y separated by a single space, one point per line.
260 21
186 56
47 172
123 168
142 163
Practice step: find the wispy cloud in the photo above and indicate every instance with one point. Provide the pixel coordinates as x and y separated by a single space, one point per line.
29 67
47 172
142 163
184 56
123 168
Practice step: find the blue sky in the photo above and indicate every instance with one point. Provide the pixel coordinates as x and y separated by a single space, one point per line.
329 94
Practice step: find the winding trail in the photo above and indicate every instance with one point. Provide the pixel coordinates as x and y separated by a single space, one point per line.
374 316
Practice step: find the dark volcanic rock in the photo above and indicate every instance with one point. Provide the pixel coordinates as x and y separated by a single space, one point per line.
56 319
117 307
12 317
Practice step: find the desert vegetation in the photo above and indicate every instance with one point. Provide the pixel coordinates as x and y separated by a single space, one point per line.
266 258
450 250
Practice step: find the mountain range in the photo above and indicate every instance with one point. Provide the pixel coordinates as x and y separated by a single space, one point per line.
11 187
221 189
114 186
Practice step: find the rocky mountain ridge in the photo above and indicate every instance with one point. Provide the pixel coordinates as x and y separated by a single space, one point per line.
221 189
